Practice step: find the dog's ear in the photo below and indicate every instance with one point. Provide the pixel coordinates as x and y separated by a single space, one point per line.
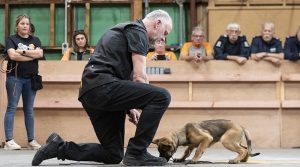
156 141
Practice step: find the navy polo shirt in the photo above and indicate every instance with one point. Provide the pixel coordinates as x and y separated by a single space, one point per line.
259 45
291 48
224 47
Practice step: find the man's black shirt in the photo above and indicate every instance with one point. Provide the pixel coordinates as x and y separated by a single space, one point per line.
112 58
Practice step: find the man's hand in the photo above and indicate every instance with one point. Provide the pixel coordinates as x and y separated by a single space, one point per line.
154 57
168 57
259 56
197 58
134 116
241 60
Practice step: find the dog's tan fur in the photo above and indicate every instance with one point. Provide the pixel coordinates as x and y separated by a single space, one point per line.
204 134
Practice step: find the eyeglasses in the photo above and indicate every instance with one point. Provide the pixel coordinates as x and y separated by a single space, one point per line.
160 41
198 36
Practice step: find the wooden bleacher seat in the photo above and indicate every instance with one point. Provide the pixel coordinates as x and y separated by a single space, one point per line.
229 2
292 2
266 2
291 104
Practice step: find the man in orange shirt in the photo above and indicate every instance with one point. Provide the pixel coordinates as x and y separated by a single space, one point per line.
196 50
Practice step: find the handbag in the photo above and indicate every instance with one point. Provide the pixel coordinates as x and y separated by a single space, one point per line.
36 82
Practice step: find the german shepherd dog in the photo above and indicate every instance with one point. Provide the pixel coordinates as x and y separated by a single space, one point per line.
204 134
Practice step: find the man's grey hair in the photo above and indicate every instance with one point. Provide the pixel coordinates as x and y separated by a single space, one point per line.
198 29
160 14
268 23
233 25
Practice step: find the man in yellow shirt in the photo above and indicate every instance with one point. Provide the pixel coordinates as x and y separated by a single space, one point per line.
196 50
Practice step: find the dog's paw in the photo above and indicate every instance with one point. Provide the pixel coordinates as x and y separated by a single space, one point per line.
191 162
177 160
232 161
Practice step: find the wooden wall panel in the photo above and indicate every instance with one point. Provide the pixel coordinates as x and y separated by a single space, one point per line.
241 91
179 91
250 19
290 128
3 105
292 90
250 101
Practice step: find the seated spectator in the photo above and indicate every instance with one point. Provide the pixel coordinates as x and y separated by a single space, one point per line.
197 49
267 47
233 45
160 52
292 47
80 49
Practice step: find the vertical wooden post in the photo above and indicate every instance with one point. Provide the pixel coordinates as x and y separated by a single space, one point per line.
193 15
136 9
7 19
87 19
52 23
190 91
70 24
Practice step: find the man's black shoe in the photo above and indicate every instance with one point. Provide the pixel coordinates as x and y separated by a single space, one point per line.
143 160
47 151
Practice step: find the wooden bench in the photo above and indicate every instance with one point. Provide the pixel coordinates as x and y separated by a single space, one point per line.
291 104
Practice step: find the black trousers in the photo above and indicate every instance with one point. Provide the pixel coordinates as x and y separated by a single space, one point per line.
106 106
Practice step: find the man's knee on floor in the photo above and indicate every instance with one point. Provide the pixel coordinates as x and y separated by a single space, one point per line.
114 158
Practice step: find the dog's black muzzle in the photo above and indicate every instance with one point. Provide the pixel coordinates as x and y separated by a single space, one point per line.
167 157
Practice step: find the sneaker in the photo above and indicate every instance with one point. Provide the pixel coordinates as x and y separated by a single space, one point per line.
11 145
34 145
143 160
47 151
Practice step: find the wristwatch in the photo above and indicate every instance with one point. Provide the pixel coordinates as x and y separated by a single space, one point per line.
24 51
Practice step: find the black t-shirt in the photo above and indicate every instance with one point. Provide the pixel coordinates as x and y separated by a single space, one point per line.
112 58
25 68
79 55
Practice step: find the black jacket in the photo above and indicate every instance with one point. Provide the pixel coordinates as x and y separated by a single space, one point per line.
223 47
291 48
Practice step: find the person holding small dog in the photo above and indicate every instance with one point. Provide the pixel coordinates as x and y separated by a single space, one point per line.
196 50
233 45
267 47
160 52
80 50
114 82
24 51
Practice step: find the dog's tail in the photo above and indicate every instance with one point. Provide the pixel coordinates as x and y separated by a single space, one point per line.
248 140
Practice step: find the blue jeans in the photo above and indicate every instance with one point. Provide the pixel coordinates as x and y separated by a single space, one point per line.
14 88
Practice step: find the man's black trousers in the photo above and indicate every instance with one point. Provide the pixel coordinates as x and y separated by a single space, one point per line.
106 106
